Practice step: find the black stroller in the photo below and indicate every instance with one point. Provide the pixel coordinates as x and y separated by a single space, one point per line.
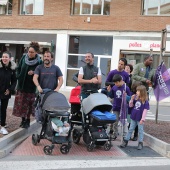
95 118
55 122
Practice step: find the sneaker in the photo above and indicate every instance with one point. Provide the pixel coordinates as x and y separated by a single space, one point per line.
6 126
3 131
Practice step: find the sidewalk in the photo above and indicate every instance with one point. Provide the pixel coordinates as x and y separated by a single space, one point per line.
79 151
22 141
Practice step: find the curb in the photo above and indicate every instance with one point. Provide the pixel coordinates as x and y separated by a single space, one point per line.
9 142
156 144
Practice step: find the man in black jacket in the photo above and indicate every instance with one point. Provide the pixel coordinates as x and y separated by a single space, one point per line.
89 76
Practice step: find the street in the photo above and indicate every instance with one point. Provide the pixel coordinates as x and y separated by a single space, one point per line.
128 163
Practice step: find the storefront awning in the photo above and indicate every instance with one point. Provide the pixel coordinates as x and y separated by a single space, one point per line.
3 2
24 42
143 52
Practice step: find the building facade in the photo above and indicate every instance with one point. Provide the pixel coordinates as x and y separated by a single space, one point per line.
109 28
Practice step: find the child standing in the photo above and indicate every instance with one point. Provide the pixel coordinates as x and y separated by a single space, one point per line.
140 105
133 90
116 93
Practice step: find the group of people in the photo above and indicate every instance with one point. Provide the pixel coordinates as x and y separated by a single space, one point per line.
31 73
134 82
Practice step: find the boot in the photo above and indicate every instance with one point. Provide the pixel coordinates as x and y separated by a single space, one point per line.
124 143
135 138
26 124
140 145
22 122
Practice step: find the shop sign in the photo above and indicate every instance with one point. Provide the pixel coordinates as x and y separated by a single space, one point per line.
143 45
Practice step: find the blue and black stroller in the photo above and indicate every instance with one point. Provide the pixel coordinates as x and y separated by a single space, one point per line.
52 113
95 118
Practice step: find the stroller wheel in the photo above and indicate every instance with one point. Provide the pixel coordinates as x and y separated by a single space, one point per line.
64 149
76 136
107 146
48 150
35 139
90 147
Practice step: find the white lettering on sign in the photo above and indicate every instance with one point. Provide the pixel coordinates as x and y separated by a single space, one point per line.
162 84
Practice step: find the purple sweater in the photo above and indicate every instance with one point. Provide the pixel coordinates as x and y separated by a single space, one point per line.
116 93
123 73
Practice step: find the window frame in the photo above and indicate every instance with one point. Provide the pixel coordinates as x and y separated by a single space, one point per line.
158 9
7 7
77 53
91 9
23 7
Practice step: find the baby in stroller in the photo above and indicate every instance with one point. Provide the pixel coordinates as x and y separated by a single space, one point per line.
95 118
61 127
55 122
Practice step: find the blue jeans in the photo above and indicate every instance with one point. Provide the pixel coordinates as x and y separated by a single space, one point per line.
133 125
84 95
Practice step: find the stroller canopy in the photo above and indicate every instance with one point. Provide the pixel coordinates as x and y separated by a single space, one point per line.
54 101
96 101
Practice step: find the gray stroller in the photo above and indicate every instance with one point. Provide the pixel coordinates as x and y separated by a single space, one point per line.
54 117
95 118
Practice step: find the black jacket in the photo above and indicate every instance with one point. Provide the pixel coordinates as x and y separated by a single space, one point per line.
7 79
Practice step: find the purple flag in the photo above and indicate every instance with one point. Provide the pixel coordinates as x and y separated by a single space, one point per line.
123 110
162 83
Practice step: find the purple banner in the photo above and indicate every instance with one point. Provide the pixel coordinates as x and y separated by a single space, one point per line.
162 83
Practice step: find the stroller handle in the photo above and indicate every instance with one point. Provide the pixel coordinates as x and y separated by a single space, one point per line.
45 90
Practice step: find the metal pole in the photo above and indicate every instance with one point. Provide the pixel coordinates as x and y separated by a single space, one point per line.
162 51
151 52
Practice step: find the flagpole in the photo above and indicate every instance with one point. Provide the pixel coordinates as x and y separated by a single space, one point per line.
162 52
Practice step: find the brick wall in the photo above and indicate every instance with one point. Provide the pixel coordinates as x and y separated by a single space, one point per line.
125 15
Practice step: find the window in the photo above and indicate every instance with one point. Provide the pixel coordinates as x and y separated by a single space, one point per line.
32 7
90 7
101 46
156 7
5 7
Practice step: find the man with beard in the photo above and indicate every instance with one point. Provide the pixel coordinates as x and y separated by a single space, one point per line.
120 70
89 76
48 75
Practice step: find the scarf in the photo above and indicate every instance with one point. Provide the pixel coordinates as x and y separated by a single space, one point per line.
32 62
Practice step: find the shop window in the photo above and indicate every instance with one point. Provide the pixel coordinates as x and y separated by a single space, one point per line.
100 46
158 7
138 57
5 7
90 7
32 7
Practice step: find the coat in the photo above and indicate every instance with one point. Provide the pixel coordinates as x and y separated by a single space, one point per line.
7 79
139 72
22 75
